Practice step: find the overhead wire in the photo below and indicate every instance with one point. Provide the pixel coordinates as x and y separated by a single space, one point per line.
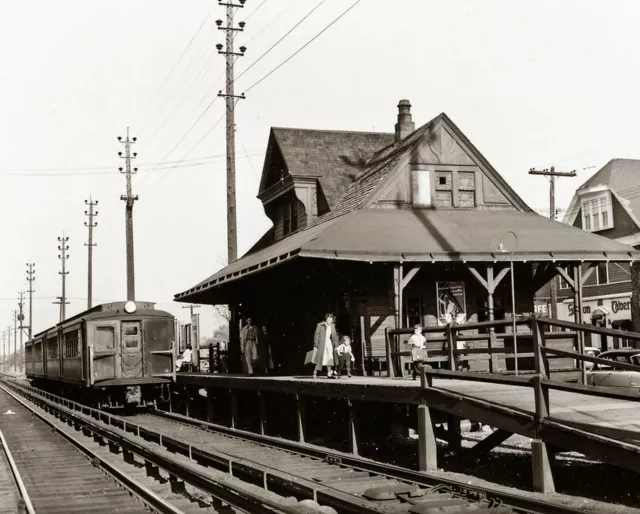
193 38
303 46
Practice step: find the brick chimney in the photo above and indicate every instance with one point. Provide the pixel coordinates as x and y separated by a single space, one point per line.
405 126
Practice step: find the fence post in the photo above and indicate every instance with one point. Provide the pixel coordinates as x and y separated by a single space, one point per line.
390 371
427 448
210 357
541 461
452 343
493 358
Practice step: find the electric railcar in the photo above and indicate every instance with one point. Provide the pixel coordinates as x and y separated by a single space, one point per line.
114 354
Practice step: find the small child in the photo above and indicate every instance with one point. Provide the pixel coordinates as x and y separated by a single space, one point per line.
345 355
418 341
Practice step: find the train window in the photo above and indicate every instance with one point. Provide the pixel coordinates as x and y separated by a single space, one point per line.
71 344
105 338
52 348
130 330
131 342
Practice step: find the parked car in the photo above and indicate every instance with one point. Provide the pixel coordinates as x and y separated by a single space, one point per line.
604 375
591 351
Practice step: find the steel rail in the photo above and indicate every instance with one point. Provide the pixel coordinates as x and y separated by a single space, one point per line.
16 475
521 503
145 494
237 495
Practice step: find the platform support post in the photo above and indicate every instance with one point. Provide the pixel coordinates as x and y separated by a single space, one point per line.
210 406
300 418
234 408
185 395
454 433
427 448
263 412
540 458
353 427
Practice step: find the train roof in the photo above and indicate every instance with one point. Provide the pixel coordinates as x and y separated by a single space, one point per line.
109 309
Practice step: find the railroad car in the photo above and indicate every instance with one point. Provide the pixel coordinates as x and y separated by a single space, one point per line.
114 354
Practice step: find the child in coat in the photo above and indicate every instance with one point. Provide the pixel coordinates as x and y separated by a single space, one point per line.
419 342
345 356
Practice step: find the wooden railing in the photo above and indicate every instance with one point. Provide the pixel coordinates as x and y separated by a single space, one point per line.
449 337
602 443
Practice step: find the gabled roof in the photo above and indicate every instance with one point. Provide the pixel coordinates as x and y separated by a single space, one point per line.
384 162
335 157
427 235
622 178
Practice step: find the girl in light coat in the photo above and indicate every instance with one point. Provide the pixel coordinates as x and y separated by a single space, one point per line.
325 340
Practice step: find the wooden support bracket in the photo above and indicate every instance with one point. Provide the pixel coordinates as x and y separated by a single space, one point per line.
483 447
410 274
234 408
300 415
479 277
354 427
587 273
563 273
263 412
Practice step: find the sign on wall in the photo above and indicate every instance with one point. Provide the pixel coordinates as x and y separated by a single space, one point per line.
451 302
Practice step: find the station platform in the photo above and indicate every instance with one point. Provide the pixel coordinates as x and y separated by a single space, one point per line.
619 419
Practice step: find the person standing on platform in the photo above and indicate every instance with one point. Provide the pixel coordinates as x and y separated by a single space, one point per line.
249 344
324 341
345 356
264 350
419 351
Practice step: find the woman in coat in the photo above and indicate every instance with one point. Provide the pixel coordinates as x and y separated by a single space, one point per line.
325 340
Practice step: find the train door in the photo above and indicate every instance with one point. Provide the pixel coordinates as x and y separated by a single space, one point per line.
101 349
131 350
159 342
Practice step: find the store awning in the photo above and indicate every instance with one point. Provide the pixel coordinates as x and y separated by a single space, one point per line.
429 235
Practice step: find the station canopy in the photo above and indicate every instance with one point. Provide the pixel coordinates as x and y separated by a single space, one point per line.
428 235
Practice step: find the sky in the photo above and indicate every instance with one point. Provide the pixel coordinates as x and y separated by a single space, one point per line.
532 84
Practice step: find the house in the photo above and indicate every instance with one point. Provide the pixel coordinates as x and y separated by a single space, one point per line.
607 204
387 230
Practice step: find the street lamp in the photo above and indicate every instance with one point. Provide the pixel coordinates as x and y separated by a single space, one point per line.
502 249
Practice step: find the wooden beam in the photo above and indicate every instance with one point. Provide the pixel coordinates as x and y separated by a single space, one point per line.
454 434
588 272
210 405
427 447
234 408
563 273
410 274
503 272
479 277
300 415
397 280
353 427
262 407
541 463
483 447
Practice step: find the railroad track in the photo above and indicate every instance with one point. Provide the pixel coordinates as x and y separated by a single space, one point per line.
345 482
71 464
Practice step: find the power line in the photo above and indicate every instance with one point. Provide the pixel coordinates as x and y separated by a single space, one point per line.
302 47
175 66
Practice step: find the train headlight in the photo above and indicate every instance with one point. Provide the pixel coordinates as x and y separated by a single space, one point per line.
130 307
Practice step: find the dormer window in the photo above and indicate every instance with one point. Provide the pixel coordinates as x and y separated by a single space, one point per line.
597 212
290 216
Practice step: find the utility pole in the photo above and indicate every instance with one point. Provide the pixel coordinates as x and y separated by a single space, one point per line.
21 319
4 351
230 98
15 340
552 174
129 199
30 278
91 225
8 352
63 257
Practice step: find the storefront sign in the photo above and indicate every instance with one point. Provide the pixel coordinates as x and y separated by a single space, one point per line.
451 302
613 308
617 306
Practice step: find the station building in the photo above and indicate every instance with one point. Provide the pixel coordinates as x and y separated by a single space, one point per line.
388 230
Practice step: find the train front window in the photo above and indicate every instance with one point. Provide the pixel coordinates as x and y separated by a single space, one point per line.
131 335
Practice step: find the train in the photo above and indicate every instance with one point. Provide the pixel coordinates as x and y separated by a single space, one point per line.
118 354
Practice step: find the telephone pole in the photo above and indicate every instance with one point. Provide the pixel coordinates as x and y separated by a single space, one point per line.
8 352
30 278
552 174
4 351
91 225
15 340
63 257
21 319
230 99
129 199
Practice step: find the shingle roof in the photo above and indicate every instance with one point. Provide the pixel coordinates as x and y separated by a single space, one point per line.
427 235
335 157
